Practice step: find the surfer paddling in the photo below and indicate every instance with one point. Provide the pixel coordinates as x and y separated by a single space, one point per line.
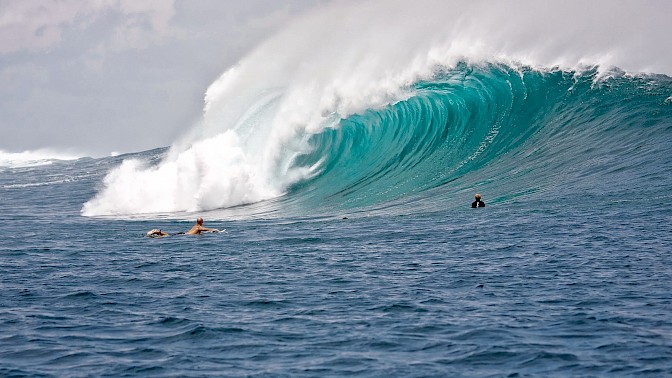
156 233
198 228
478 202
195 230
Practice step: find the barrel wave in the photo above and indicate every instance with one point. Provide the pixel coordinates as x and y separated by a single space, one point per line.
341 113
512 132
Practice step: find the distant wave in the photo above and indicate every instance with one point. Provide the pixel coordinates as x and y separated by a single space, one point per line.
341 110
33 158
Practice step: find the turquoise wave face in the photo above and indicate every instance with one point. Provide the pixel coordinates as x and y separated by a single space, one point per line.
513 134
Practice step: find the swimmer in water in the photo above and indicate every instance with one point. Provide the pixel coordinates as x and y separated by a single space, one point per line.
478 202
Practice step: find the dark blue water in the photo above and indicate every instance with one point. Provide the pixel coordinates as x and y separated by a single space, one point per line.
566 272
564 287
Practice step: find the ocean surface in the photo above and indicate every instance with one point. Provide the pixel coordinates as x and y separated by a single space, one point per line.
364 258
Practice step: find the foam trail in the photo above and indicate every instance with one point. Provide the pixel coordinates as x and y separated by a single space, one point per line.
351 56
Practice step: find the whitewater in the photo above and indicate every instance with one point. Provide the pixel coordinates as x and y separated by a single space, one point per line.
341 156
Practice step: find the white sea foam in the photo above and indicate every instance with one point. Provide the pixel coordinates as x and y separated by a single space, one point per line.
351 56
33 158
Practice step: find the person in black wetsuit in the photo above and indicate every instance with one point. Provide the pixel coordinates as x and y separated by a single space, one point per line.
478 202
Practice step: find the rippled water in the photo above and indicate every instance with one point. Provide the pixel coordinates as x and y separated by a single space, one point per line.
544 288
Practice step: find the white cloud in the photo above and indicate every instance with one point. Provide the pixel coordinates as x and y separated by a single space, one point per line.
146 22
35 25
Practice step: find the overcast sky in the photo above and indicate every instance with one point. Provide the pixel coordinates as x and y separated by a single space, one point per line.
119 75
